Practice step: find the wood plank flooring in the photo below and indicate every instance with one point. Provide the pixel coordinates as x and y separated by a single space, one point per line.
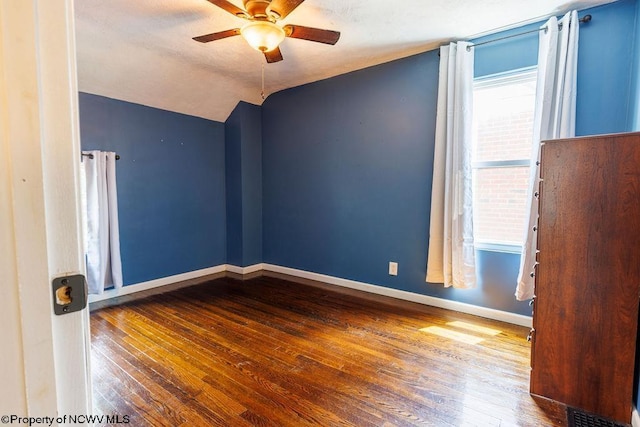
269 352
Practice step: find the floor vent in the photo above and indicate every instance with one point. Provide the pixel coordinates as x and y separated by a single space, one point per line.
578 418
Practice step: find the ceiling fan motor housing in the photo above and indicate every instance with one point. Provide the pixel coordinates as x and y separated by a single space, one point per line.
257 9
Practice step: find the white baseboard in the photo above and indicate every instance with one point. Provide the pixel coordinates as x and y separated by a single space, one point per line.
635 417
489 313
156 283
244 270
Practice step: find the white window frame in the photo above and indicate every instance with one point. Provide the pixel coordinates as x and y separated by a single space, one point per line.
490 80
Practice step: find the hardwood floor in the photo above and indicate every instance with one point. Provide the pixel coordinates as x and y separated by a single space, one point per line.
269 352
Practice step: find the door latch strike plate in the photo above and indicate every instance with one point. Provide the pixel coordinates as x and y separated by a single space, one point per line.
69 294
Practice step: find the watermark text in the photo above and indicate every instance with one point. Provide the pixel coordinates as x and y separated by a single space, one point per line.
65 419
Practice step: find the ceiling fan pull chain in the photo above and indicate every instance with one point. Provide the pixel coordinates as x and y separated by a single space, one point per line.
262 93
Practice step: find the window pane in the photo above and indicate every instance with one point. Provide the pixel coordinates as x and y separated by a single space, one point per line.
503 117
500 196
503 131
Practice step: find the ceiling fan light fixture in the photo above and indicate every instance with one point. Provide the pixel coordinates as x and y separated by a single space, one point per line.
263 35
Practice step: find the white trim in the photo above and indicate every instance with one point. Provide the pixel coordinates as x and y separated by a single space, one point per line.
489 313
506 77
244 270
138 287
25 139
497 247
635 417
61 125
492 164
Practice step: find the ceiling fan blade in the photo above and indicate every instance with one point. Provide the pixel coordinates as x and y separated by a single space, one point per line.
284 7
273 55
229 7
312 34
217 36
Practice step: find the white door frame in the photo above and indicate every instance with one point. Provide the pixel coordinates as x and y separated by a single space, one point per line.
44 358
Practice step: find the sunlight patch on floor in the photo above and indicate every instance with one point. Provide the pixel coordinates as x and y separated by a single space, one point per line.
474 328
451 334
473 334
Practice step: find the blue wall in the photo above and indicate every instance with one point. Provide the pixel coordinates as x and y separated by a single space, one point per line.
243 165
346 173
605 66
347 162
171 186
514 53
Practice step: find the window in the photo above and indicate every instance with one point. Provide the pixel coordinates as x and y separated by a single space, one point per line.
503 133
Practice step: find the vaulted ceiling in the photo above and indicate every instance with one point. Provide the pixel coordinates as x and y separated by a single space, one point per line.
142 51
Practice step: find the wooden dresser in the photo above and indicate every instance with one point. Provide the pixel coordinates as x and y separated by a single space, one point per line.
585 310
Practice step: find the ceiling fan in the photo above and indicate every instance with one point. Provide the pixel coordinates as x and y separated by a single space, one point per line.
262 32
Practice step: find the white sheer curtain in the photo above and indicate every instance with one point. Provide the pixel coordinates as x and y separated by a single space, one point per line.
555 117
104 268
451 258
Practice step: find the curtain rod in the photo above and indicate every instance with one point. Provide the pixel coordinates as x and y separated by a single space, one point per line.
91 156
584 19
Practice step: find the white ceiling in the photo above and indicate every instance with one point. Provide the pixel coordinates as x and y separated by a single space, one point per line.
142 50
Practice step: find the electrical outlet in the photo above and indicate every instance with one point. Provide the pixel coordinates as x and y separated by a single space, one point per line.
393 268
